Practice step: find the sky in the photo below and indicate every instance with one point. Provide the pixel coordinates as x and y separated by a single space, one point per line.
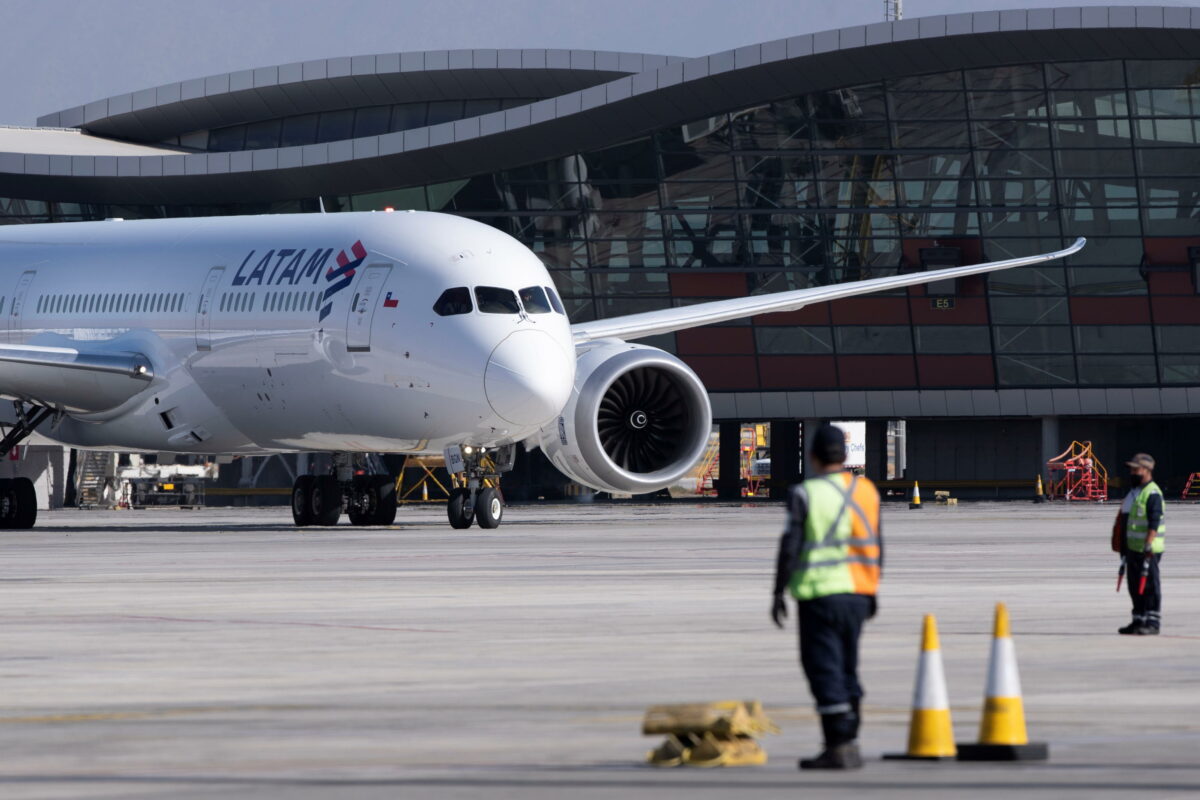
56 54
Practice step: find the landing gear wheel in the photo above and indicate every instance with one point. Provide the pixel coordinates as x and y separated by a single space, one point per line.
302 501
8 504
385 495
325 500
459 510
489 508
26 503
363 503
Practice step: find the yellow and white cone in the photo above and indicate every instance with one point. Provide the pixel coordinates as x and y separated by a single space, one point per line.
916 495
1039 495
930 731
1002 734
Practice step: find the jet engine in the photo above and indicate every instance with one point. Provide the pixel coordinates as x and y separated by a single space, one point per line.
637 421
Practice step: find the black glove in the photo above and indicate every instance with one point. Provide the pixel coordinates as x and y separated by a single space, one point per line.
778 611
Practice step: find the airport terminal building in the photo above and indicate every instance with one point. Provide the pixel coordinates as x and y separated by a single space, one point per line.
646 180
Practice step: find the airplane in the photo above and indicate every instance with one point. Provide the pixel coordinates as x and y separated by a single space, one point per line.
350 333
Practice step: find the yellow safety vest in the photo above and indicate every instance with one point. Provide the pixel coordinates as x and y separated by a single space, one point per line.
1139 524
840 552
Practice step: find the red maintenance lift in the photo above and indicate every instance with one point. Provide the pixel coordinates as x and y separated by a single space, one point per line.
1076 474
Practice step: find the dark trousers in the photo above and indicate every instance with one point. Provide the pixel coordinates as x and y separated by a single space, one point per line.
829 630
1147 606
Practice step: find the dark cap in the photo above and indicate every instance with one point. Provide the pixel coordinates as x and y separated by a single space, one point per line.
829 445
1144 460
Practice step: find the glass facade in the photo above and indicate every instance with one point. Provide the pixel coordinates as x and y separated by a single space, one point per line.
900 175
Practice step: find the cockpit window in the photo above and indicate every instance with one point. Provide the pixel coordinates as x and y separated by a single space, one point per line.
533 298
555 301
493 300
453 301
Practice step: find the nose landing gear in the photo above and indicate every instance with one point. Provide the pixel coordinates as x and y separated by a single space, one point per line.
476 473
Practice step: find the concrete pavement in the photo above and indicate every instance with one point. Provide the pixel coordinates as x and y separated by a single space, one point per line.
225 653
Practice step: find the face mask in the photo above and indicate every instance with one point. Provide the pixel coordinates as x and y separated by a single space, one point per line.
1136 478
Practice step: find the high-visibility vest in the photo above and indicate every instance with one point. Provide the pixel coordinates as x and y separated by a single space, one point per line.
840 552
1139 524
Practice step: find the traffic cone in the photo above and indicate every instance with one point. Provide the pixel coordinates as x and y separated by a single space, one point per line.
1039 495
916 496
930 732
1002 735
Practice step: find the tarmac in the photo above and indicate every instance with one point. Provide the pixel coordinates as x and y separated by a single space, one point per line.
224 653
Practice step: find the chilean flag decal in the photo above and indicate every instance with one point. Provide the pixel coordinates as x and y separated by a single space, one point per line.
388 302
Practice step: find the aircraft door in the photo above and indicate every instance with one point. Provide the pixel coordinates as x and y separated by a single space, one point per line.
204 309
362 307
17 309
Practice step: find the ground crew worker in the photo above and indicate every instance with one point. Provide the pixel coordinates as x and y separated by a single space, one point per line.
1140 537
830 557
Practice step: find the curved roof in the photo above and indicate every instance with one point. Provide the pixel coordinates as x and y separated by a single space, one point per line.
647 92
154 114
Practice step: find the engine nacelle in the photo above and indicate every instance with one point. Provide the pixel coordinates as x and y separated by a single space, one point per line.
637 421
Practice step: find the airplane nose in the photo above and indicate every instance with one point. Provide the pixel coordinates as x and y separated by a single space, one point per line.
528 378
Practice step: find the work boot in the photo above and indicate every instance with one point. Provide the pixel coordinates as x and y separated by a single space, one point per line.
1131 629
1145 630
841 750
842 756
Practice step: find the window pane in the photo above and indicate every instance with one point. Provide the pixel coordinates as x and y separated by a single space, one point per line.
1179 369
444 111
1095 162
336 125
1035 370
262 135
1085 75
494 300
453 301
1089 103
927 105
974 339
1164 72
1091 133
554 300
1179 339
1113 339
1165 132
931 135
1124 369
873 339
408 115
806 340
1172 161
224 140
533 300
1023 76
372 121
1029 310
937 81
1033 339
299 130
1107 281
995 105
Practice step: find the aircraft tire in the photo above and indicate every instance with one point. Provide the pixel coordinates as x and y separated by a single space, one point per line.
8 504
24 503
326 502
489 507
302 501
385 497
458 511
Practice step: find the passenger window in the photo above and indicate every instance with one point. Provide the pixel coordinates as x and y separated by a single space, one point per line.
453 301
494 300
533 299
555 301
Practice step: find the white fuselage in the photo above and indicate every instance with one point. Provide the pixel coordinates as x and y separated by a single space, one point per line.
293 332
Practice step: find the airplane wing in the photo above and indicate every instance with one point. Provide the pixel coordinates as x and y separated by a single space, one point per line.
72 379
651 323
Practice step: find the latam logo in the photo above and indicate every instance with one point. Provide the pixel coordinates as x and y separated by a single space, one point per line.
388 302
341 277
291 267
